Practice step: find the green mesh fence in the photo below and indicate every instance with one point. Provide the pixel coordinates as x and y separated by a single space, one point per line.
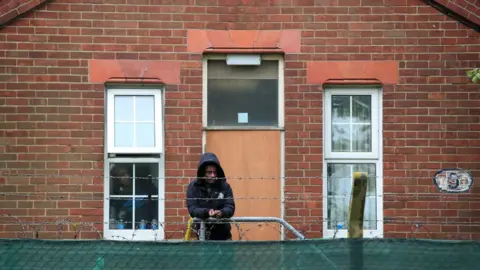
308 254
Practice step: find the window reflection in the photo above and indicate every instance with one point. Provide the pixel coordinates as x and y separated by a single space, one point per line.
134 196
121 181
245 90
339 186
351 127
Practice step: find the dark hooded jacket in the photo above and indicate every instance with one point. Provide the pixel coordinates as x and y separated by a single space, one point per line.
201 197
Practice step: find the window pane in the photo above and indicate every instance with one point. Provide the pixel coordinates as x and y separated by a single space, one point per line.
362 109
121 214
145 135
351 123
122 209
339 187
123 134
127 179
146 179
121 179
242 96
123 108
256 99
144 108
146 212
362 138
134 121
341 138
340 109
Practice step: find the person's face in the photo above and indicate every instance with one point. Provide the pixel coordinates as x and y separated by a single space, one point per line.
210 174
125 179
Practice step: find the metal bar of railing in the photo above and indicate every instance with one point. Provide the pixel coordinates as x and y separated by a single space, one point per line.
202 230
249 220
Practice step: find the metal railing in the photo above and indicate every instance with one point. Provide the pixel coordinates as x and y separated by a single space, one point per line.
248 220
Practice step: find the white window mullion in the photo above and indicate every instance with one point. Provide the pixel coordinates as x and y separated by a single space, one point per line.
351 123
157 121
375 125
110 121
134 176
134 143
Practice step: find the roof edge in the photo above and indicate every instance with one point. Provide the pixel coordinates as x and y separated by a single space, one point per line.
16 10
21 9
452 14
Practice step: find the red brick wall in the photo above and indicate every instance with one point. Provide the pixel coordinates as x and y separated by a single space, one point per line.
52 117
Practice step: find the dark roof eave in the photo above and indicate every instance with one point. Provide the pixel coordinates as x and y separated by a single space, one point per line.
452 14
19 11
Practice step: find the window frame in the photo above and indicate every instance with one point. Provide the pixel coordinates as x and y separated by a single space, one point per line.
374 157
135 155
158 114
281 99
374 124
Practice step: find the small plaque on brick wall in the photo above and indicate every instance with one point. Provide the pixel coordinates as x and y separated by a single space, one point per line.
453 180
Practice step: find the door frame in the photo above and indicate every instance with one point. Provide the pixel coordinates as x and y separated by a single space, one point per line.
281 117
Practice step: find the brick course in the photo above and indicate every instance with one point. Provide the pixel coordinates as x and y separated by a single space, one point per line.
52 115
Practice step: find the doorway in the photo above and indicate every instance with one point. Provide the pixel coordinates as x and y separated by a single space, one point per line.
243 126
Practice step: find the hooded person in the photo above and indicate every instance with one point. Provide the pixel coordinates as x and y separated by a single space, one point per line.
209 195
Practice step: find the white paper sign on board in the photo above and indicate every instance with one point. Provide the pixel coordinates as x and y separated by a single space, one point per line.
242 118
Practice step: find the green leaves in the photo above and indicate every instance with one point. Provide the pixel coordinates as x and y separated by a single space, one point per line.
474 75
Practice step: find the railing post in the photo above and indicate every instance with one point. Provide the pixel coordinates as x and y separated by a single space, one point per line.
202 230
355 222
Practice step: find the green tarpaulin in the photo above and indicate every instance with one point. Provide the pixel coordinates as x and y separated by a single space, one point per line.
309 254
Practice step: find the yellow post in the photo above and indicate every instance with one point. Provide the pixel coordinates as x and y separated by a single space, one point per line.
357 205
189 230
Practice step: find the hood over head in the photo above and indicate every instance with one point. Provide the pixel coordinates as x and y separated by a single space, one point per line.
209 158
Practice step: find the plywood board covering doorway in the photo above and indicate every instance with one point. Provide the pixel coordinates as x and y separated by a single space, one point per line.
247 157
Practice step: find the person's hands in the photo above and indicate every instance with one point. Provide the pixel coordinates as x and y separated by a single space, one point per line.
215 213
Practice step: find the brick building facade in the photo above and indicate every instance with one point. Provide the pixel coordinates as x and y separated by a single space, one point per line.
63 65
